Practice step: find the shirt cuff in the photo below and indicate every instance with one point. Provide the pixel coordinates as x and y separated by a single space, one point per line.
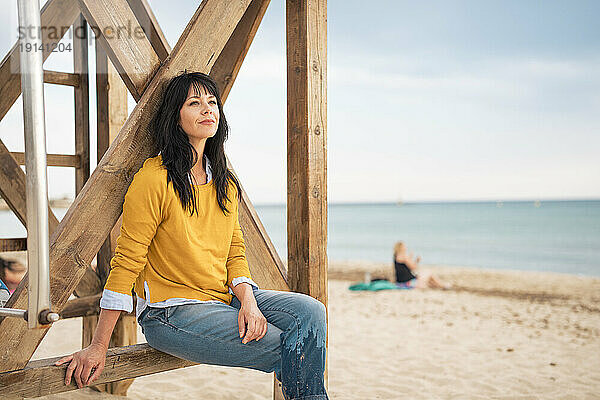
116 301
241 279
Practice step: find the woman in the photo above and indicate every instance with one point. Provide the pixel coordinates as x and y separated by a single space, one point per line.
405 267
181 248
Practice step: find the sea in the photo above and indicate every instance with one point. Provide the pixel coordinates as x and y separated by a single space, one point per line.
554 236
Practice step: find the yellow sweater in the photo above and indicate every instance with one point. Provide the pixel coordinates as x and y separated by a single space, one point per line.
177 255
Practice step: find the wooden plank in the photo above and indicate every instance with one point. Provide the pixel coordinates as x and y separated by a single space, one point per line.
61 78
81 103
90 284
42 377
99 204
122 37
53 160
57 18
306 34
16 244
81 307
111 116
111 112
147 20
227 66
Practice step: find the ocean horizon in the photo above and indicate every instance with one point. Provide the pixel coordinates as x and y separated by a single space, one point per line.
531 235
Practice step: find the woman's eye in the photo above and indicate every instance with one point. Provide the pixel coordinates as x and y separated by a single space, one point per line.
193 102
214 102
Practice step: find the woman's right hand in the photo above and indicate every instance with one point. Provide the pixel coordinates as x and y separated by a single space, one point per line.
82 363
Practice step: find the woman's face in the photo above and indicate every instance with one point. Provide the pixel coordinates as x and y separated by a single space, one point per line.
199 115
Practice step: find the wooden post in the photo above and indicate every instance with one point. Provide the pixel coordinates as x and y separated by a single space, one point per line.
306 33
111 95
82 108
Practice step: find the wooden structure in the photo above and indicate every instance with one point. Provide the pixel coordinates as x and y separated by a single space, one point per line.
215 41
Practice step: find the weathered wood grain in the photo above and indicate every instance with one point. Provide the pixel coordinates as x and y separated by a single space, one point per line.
147 20
54 160
42 377
61 78
306 32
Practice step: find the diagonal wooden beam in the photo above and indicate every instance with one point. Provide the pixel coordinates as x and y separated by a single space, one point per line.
148 22
227 66
97 207
57 18
42 377
120 34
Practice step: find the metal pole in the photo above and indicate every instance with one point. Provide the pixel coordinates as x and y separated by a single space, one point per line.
32 83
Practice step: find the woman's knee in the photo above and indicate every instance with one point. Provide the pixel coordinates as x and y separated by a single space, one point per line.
312 310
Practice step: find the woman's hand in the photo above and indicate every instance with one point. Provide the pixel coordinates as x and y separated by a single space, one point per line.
82 363
251 315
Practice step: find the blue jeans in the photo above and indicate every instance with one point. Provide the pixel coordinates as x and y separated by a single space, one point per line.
208 333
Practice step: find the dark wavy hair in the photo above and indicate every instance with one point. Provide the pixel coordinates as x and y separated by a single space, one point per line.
178 154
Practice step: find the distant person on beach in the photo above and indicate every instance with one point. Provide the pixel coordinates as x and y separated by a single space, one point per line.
406 266
11 273
181 248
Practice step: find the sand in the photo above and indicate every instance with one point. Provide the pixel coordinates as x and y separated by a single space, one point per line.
498 335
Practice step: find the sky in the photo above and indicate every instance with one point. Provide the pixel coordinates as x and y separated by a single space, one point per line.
427 101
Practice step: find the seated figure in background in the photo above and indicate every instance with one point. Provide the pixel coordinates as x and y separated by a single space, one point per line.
405 268
11 273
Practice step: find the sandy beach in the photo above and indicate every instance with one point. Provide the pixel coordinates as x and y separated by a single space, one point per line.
497 335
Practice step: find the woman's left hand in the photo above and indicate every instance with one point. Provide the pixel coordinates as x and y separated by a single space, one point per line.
251 316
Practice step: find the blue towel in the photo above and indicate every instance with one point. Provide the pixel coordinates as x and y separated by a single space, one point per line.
376 286
4 294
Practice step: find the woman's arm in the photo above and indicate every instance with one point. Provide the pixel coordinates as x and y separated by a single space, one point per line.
413 265
249 314
93 356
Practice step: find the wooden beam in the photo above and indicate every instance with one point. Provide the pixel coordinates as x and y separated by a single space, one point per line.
81 102
129 49
81 307
57 18
227 66
99 204
111 114
42 377
147 20
306 34
61 78
15 244
53 160
89 285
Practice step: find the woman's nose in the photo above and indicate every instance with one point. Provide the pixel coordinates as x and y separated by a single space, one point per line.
206 108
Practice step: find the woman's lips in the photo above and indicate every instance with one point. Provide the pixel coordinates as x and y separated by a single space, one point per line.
207 122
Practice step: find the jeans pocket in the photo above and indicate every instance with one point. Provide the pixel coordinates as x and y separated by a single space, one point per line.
158 313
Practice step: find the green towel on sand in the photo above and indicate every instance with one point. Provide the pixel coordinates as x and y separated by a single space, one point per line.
375 285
